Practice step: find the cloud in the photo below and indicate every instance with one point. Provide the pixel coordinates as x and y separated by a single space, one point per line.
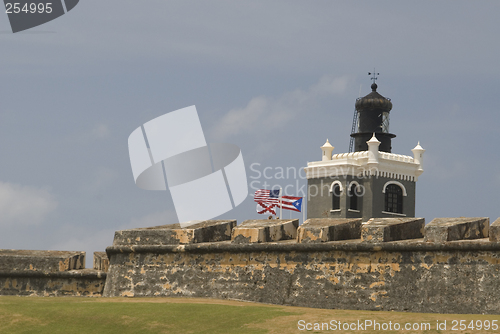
101 179
269 113
97 132
95 242
154 219
24 205
100 130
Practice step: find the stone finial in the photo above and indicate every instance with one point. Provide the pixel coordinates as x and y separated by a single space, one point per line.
373 145
418 157
327 149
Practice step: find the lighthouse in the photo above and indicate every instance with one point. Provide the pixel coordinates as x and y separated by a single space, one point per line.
373 117
371 181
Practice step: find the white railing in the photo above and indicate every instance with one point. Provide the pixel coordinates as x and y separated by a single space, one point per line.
395 157
352 155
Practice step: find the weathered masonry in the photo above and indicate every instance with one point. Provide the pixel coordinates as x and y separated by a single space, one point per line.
452 265
50 273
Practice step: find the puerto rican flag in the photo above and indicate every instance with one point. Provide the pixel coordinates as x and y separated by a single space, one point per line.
267 200
291 203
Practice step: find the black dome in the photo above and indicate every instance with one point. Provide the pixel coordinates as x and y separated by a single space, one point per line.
373 101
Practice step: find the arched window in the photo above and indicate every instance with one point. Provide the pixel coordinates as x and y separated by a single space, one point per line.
336 189
336 197
394 198
353 197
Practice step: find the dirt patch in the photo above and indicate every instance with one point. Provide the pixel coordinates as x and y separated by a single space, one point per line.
183 300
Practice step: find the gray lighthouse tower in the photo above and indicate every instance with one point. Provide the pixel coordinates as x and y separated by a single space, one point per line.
373 117
370 182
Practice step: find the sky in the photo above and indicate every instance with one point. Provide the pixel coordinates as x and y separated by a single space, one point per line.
275 78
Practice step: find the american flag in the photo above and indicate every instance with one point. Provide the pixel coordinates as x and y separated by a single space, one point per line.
267 196
262 208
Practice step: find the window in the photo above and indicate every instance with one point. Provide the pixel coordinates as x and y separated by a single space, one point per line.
385 122
394 198
353 197
336 197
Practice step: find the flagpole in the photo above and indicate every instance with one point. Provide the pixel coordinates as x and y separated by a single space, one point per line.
303 211
281 203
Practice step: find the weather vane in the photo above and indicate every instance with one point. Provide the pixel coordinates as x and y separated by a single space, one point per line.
374 75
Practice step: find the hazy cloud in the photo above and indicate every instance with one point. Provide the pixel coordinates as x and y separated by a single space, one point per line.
24 205
101 179
100 130
97 241
268 113
89 243
154 219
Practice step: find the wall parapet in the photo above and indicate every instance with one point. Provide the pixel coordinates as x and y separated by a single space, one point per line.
83 273
292 246
459 276
48 273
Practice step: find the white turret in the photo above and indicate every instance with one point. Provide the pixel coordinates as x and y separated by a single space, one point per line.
327 149
418 157
373 145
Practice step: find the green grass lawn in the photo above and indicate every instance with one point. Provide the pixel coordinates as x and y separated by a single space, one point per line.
185 315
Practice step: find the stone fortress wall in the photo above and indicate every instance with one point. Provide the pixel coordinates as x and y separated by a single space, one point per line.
451 265
50 273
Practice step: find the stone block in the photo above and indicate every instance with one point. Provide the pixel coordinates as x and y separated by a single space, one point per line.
46 261
449 229
392 229
265 230
494 231
329 229
101 261
175 234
